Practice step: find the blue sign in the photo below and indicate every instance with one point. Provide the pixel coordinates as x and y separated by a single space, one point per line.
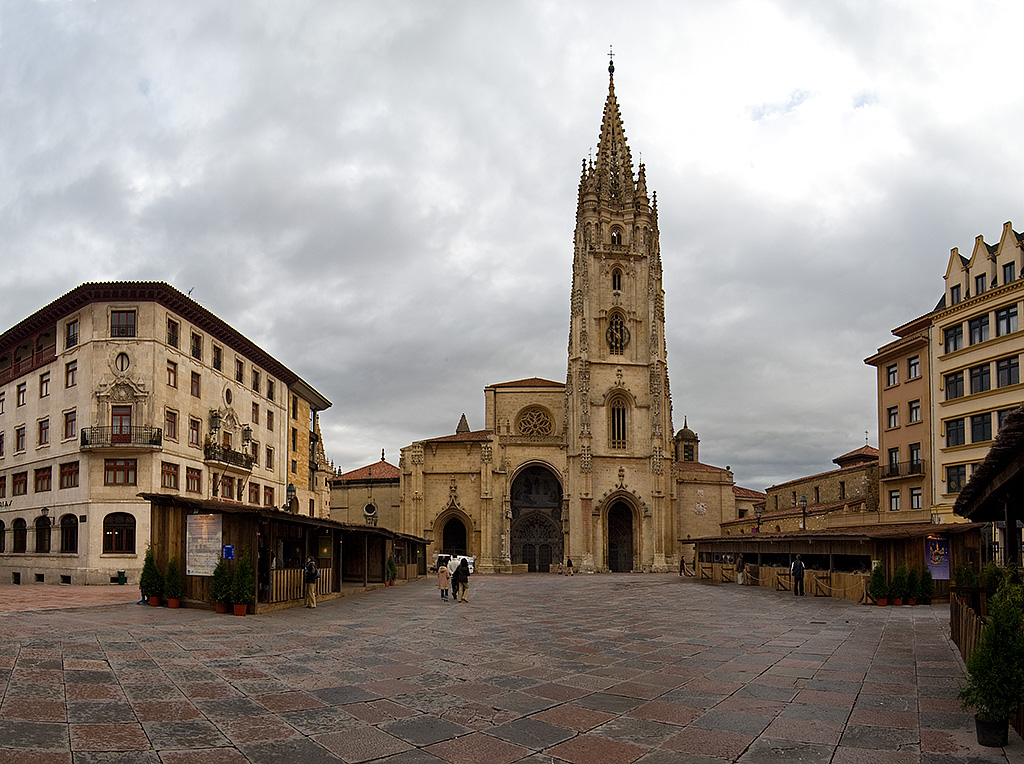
229 551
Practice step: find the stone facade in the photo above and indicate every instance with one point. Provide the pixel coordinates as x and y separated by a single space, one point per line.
119 389
367 496
843 497
586 469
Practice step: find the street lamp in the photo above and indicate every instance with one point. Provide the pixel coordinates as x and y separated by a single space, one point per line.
803 510
758 511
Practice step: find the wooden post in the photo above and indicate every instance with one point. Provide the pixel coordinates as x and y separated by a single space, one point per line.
1011 554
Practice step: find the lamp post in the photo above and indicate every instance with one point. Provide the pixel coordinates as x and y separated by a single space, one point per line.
803 511
758 510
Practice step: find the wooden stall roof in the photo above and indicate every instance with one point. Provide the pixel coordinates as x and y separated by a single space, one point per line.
852 533
214 505
1001 472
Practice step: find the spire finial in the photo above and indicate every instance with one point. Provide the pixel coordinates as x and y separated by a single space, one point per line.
611 61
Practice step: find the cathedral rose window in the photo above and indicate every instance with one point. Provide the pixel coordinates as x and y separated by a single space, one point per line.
535 421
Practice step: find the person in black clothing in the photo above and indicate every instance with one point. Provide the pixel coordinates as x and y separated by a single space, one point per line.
460 581
310 576
797 569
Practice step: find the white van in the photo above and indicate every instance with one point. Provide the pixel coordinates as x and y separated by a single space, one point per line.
459 557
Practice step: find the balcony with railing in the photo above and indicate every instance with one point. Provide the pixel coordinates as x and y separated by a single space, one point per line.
227 456
902 469
142 436
29 361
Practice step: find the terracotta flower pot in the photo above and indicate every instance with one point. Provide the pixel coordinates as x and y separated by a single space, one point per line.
154 601
911 601
221 607
897 601
173 603
241 609
882 602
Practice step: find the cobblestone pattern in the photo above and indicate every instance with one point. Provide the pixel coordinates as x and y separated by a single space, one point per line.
538 669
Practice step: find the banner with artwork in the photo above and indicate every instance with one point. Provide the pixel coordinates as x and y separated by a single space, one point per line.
203 538
936 552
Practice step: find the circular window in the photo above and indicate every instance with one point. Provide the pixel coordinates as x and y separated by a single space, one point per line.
122 362
227 397
369 509
535 421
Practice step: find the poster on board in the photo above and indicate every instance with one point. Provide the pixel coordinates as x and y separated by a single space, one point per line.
203 538
936 552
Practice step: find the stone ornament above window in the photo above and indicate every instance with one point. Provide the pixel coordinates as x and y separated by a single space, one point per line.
535 421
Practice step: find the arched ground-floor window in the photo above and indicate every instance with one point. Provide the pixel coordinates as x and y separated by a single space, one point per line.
42 535
119 532
69 534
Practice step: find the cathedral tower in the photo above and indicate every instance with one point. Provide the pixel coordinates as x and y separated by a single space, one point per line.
618 416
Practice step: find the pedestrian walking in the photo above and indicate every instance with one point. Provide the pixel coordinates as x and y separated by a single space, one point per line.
797 569
310 576
443 580
741 569
568 565
462 576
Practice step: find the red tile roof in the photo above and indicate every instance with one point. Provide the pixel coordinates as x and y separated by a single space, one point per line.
747 493
530 382
378 471
864 453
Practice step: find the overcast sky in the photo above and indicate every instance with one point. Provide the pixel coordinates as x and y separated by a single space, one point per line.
383 194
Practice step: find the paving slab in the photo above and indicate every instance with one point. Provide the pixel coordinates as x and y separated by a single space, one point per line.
538 669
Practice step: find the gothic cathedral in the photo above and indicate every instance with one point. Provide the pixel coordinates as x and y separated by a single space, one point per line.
587 470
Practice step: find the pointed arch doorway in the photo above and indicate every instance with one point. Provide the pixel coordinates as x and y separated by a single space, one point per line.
536 519
620 538
453 537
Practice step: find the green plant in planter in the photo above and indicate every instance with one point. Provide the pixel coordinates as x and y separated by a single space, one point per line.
878 586
173 583
220 585
898 585
926 587
391 569
151 582
995 670
913 583
243 585
991 576
964 575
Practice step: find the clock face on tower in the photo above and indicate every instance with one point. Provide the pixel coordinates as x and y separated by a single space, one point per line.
617 335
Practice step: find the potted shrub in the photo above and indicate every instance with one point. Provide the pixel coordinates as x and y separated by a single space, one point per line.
926 587
913 579
243 585
391 570
151 582
878 586
898 585
173 583
995 670
220 586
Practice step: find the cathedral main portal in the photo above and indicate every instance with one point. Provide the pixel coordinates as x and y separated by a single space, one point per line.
536 519
620 538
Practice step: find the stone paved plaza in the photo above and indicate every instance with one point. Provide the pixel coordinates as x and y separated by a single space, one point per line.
537 668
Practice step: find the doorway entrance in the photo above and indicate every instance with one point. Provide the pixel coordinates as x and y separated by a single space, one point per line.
536 519
453 538
620 538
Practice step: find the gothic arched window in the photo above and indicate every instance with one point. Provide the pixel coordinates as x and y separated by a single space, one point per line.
617 279
616 236
618 411
618 333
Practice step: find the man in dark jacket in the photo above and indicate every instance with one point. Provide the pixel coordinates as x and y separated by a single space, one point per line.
460 581
310 576
797 569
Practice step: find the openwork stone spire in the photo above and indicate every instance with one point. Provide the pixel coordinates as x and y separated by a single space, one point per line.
612 170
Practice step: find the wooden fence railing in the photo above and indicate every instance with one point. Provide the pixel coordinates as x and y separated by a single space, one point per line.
286 584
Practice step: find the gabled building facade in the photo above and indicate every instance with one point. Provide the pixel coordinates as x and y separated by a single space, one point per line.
119 389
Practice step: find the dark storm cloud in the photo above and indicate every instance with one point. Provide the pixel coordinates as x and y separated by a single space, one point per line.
383 195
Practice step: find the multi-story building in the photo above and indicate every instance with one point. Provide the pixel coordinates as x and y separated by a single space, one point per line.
937 425
120 389
905 424
976 348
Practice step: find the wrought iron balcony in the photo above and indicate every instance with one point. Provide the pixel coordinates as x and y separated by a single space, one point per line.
215 453
902 469
115 437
